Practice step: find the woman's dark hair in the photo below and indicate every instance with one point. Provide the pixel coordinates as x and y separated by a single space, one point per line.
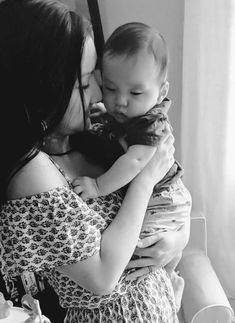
128 39
41 45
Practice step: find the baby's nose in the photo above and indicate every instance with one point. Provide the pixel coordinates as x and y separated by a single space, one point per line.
121 100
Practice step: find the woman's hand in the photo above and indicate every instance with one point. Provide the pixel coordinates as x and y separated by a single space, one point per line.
162 160
158 250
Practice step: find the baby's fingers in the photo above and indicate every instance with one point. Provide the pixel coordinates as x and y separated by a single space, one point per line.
78 189
167 137
77 181
97 110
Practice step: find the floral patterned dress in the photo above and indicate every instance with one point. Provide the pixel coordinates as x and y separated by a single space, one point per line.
41 232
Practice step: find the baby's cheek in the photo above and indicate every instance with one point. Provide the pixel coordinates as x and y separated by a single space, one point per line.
108 103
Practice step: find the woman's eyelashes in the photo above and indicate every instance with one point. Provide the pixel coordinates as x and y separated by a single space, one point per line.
85 86
87 80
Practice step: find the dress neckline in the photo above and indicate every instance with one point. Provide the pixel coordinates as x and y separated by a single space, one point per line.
62 154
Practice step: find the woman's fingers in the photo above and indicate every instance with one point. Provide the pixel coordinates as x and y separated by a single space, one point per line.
148 241
140 262
140 273
137 273
152 252
166 144
167 137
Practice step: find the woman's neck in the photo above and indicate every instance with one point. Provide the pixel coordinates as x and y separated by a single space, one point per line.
56 145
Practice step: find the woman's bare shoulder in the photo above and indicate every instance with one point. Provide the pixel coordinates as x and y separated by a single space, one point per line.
37 176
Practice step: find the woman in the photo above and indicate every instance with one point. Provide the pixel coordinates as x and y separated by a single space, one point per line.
47 81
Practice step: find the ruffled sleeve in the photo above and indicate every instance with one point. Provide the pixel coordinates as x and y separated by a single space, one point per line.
48 230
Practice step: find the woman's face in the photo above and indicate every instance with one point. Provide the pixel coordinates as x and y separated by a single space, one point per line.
73 118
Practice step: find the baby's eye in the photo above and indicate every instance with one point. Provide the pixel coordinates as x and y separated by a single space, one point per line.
136 93
109 88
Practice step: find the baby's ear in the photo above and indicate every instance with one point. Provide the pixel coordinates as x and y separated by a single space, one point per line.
163 92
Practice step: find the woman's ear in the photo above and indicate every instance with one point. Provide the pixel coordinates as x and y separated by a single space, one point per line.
163 92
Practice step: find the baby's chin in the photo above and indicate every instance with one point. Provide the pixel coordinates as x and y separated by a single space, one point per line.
120 118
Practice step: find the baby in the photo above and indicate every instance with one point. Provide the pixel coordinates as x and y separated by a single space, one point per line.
134 80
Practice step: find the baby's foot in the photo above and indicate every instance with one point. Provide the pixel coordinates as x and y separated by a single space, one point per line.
178 287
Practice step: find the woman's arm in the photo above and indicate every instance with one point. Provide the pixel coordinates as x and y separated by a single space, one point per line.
101 272
118 175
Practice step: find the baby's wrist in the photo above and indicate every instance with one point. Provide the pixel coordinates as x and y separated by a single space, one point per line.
144 183
96 186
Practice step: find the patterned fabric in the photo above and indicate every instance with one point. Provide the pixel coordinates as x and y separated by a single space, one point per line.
150 300
168 209
47 230
43 231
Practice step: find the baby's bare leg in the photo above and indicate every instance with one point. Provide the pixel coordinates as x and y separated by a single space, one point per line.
171 266
176 280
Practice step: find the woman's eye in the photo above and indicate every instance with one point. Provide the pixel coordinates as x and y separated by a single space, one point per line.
85 87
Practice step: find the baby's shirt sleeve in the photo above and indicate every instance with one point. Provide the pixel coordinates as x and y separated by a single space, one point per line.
146 130
49 230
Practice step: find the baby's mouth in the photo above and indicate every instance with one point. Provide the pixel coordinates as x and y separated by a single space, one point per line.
120 117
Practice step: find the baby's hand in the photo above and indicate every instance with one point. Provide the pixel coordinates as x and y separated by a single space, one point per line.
86 187
96 112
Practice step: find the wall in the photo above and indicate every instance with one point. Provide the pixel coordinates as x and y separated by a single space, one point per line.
167 16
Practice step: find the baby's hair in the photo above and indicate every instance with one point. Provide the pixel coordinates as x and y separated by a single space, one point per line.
130 38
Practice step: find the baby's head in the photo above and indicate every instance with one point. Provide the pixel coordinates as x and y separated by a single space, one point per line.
134 70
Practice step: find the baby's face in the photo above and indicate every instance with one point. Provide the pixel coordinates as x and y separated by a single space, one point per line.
130 85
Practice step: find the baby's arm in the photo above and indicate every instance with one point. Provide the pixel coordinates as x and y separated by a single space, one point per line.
119 174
